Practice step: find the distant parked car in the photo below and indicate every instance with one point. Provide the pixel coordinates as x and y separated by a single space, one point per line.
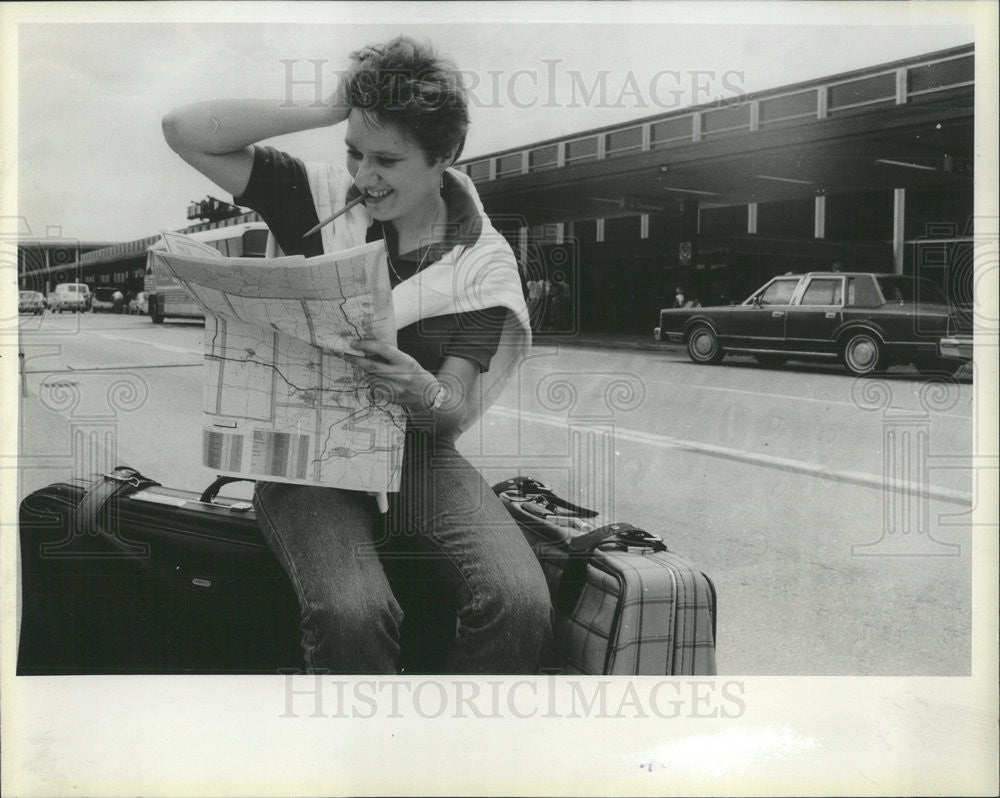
139 304
70 296
30 302
866 320
104 300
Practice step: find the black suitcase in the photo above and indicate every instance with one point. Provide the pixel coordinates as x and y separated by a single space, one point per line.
126 576
123 575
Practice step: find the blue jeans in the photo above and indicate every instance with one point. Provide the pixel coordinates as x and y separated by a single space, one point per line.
377 591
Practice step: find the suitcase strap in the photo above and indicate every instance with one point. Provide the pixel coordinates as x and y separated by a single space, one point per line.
625 536
120 482
526 488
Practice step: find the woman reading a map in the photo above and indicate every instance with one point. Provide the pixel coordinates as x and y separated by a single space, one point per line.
443 580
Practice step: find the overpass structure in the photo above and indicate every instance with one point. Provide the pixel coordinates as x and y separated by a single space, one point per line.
871 169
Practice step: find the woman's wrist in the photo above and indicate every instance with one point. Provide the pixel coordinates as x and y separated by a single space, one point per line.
430 400
338 107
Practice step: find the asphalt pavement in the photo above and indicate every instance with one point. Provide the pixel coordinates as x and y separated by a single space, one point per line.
833 514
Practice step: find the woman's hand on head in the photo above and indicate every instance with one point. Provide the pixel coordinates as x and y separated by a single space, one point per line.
393 375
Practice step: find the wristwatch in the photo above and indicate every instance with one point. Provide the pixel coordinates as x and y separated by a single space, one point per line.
438 399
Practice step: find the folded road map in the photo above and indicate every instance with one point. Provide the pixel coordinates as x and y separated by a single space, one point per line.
281 404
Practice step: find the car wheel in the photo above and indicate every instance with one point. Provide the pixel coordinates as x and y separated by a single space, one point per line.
863 354
157 318
771 360
703 345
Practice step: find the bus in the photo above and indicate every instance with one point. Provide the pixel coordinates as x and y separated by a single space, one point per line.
167 298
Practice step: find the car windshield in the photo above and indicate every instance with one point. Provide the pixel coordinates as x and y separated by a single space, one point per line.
778 293
898 288
104 294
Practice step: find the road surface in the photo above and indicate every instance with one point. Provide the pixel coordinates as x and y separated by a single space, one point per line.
832 513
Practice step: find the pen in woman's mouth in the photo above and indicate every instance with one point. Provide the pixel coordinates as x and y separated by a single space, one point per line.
334 215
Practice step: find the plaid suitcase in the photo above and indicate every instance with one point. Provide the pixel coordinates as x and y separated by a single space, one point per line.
624 603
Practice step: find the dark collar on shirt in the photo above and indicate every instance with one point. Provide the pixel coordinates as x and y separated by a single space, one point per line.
465 224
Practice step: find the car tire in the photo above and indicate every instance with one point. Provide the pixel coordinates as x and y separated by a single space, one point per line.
703 345
157 318
771 360
863 354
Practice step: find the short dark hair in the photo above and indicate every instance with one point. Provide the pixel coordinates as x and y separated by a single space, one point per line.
407 83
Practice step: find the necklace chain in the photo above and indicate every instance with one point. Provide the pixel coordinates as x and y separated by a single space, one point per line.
427 249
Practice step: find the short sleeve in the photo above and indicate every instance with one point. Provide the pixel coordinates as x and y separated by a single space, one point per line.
278 190
477 335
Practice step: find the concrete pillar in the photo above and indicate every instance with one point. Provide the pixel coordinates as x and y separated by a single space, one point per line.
819 225
898 228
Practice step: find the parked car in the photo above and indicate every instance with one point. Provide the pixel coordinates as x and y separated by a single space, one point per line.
866 320
139 304
70 296
109 299
30 302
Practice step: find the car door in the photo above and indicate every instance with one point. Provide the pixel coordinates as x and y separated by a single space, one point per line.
819 311
760 322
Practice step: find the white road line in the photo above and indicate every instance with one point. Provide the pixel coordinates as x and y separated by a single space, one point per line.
770 395
154 344
794 397
754 458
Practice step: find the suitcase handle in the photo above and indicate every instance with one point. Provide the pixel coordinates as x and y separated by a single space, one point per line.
209 494
625 535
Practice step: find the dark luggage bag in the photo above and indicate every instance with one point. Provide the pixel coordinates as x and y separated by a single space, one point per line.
126 576
123 575
624 603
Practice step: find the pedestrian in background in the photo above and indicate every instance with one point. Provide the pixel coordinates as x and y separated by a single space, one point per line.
536 301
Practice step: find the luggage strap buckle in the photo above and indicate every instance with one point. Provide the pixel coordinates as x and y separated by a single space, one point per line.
134 481
525 489
639 538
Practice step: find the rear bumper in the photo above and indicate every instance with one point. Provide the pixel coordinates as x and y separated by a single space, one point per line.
959 347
